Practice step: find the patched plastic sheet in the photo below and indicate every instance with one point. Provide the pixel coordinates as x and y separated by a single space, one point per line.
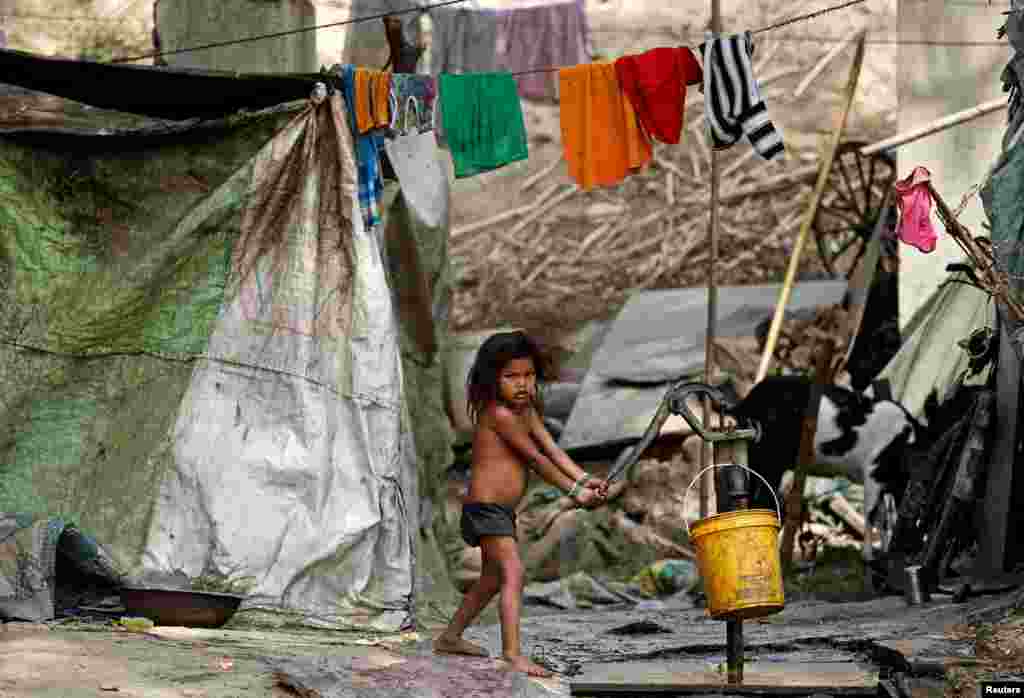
191 417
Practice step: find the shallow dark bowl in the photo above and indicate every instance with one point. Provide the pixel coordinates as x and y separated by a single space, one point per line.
192 609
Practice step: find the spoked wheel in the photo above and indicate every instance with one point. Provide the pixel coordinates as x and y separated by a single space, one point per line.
851 205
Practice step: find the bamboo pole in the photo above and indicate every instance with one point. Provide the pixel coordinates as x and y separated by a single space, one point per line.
706 491
940 124
819 190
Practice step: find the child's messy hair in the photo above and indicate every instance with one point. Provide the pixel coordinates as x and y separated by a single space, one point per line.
498 350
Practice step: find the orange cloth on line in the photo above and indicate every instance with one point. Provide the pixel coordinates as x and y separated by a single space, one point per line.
601 136
364 99
382 99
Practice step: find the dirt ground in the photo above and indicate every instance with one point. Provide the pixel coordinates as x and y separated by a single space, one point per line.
83 661
1000 650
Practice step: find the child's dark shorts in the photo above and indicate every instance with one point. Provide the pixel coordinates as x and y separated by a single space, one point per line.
483 519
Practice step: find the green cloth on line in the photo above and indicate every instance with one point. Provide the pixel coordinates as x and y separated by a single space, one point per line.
483 121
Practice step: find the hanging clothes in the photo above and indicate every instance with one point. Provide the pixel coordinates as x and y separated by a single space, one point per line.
463 40
601 136
915 205
734 105
483 121
542 35
368 147
363 100
655 82
422 89
381 91
373 91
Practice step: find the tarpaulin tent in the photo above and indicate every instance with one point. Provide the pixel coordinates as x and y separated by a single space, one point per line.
929 358
200 357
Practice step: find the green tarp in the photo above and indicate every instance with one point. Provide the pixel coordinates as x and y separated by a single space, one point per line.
200 363
929 358
1003 199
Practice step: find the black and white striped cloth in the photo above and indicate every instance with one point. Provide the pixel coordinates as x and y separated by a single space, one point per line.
733 102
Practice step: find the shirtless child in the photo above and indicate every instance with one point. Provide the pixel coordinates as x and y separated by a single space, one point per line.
510 439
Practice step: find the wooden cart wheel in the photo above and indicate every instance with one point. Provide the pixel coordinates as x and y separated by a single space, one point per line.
850 206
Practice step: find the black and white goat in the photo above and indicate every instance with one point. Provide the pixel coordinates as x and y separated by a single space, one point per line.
858 437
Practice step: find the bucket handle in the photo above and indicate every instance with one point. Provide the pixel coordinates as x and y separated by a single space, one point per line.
728 465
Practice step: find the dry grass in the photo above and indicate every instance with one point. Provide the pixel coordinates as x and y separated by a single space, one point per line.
581 258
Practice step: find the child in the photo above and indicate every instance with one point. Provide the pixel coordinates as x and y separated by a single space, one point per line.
510 439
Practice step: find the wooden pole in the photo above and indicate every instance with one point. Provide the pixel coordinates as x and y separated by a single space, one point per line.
819 190
706 491
809 427
940 124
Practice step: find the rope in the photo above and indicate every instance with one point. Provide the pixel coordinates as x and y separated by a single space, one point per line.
811 15
288 32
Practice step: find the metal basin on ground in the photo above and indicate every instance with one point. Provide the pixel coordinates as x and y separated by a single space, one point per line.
178 607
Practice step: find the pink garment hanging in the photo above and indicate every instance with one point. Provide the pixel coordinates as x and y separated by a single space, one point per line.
915 205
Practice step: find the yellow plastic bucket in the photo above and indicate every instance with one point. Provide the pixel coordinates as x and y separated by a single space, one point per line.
738 557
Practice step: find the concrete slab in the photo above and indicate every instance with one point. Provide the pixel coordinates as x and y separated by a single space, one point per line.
765 678
423 676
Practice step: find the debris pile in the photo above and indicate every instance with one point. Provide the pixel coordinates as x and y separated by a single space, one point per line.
800 339
649 232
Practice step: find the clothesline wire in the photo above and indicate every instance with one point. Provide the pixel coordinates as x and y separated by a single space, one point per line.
811 15
823 39
247 39
425 8
783 23
618 30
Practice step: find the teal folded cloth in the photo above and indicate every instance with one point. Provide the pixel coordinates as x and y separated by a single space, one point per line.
483 121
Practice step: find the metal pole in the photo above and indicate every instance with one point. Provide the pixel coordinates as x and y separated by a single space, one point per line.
734 650
734 627
709 345
736 496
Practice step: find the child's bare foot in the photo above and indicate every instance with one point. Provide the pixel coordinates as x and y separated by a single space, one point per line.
525 666
449 645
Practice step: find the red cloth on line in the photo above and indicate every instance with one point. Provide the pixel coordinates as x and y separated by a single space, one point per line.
655 82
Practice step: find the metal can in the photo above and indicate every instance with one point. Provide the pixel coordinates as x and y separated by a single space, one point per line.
916 590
